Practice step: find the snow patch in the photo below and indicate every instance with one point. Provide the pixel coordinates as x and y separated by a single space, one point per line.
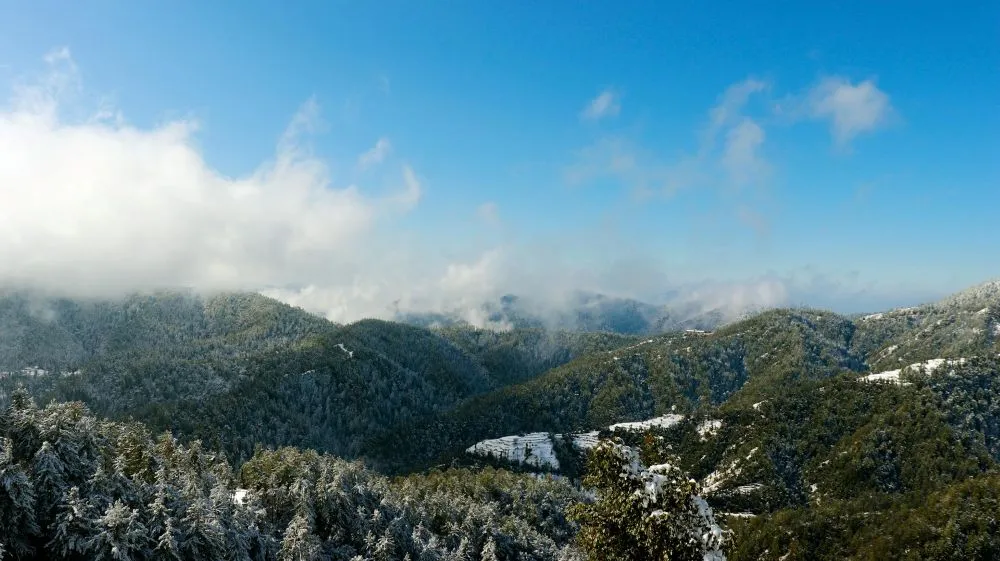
747 489
630 347
31 371
664 421
888 351
350 354
586 440
239 497
534 449
709 428
887 376
927 367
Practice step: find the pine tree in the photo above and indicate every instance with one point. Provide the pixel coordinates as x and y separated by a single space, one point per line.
643 514
299 543
49 475
204 537
17 502
75 527
121 535
489 552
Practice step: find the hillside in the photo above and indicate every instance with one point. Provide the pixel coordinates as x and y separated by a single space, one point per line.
808 433
584 312
675 372
241 369
741 363
121 354
77 487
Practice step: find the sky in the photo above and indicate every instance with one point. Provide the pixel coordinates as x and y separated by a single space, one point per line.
357 158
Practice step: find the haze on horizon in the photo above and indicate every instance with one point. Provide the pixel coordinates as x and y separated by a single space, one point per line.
355 160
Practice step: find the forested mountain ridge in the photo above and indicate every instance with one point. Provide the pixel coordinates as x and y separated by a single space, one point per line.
193 364
584 312
743 362
120 354
790 438
675 372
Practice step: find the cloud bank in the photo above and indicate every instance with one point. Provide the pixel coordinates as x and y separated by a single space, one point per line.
93 206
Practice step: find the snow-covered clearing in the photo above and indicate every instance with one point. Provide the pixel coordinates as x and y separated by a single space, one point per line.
927 367
665 421
538 448
715 480
708 428
586 440
534 449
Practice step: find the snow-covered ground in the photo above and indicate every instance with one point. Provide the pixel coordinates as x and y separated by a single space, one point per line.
709 428
534 449
715 480
239 496
27 371
665 421
927 367
616 352
538 448
586 440
350 354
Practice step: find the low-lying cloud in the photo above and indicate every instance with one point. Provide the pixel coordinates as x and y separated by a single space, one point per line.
96 207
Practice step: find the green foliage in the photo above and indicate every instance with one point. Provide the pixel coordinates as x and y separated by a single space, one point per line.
674 372
957 522
642 514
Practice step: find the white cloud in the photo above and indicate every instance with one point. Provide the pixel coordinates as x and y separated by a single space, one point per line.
730 108
376 154
412 191
97 207
489 213
851 109
606 104
741 156
647 173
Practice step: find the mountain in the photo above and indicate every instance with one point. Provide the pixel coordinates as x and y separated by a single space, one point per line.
120 354
241 369
810 434
582 312
674 372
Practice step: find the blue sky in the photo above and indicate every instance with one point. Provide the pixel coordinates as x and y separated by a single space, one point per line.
853 160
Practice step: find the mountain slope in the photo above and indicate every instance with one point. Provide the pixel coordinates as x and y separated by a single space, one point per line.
674 372
582 312
242 369
963 325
